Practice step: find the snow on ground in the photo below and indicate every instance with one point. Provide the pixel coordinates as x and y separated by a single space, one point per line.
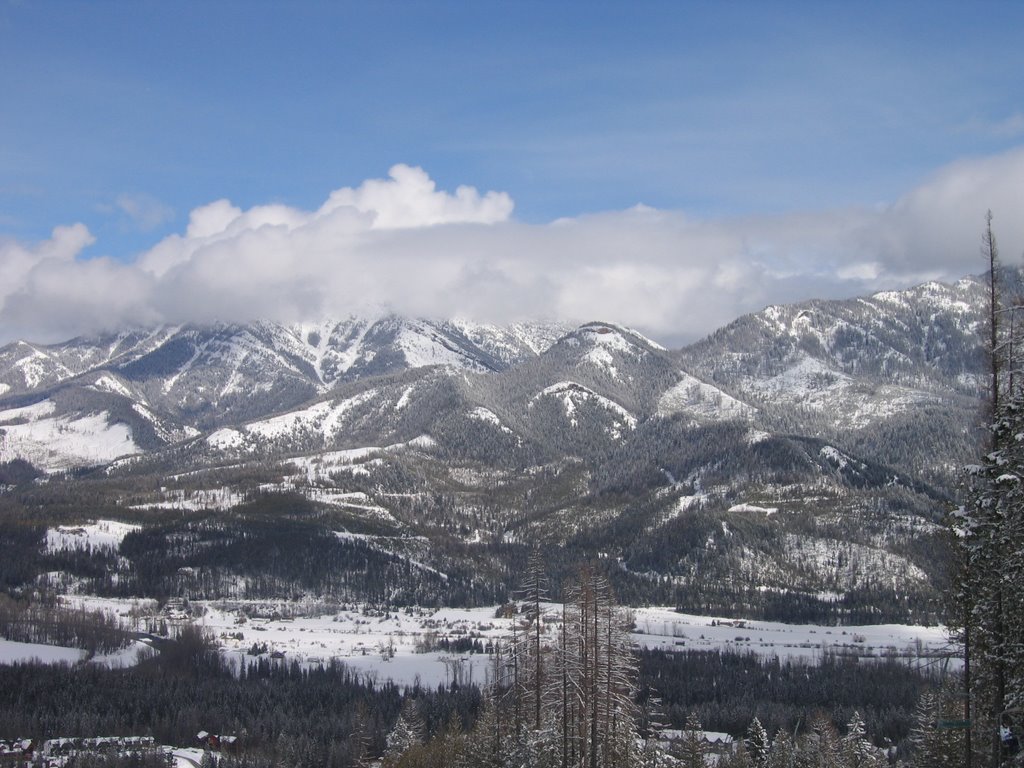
102 534
108 383
682 504
187 757
386 645
57 443
320 467
691 395
15 653
36 366
21 653
125 657
807 380
753 508
848 563
225 439
421 348
398 644
813 384
490 417
571 394
602 358
664 628
209 498
307 419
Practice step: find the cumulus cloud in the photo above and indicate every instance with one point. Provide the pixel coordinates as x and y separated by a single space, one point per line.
402 245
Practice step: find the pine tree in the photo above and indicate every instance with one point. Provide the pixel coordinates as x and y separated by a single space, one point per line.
988 528
408 732
757 743
692 746
487 734
855 748
782 753
934 746
825 740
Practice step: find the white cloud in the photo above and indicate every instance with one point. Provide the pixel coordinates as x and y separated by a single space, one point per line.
145 211
18 262
403 244
410 199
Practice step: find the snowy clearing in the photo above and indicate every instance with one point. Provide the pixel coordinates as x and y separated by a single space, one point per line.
102 534
21 653
400 644
665 629
12 652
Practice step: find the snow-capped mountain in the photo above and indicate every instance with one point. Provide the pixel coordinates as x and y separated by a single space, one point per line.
801 451
169 384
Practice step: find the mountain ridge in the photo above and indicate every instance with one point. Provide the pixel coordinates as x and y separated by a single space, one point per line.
791 454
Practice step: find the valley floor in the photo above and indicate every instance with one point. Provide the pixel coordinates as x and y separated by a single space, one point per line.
406 645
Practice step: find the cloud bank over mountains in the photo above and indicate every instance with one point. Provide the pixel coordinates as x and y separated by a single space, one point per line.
400 244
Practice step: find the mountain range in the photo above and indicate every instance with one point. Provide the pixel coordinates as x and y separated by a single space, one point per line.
797 462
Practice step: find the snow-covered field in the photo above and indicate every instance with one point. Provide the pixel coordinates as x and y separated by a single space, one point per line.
399 644
666 629
14 653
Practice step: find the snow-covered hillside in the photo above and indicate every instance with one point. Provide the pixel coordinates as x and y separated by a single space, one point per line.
54 443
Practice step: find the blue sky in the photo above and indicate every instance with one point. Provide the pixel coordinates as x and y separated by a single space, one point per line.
760 121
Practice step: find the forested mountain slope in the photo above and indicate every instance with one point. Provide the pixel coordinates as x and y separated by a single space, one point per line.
795 463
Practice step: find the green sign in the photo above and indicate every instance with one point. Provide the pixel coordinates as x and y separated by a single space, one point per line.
953 725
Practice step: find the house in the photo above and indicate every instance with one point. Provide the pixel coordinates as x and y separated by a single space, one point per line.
15 751
215 742
715 742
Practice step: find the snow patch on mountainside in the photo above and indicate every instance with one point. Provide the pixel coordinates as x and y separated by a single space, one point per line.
839 459
488 416
211 498
225 439
691 395
308 419
169 434
38 367
806 379
323 419
753 508
846 564
101 534
107 383
57 443
403 401
756 436
572 395
421 349
602 358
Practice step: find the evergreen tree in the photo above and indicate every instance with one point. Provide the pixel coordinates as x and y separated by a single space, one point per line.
782 753
824 742
692 746
757 743
855 748
989 529
935 746
408 732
